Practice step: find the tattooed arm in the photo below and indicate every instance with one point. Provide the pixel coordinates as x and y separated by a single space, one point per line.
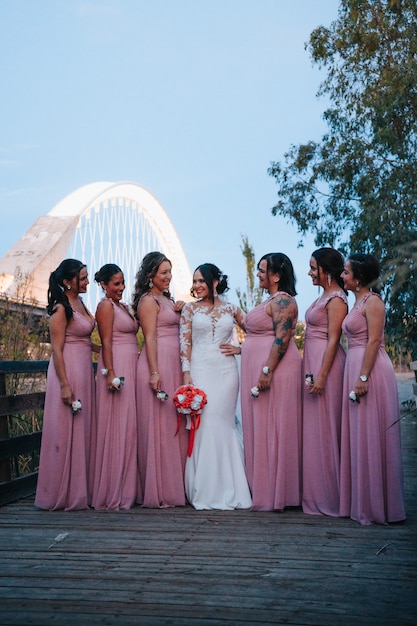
283 310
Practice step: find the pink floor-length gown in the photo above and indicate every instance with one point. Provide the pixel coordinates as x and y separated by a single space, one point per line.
371 476
271 422
162 454
114 446
64 458
322 416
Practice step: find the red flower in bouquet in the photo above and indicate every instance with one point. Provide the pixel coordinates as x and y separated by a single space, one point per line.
189 401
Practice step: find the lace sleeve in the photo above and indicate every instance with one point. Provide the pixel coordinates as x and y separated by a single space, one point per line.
185 336
239 316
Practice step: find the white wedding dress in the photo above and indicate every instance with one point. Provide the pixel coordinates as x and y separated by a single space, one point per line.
214 474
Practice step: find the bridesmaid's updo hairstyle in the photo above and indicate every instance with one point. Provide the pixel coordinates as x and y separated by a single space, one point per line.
210 273
105 273
67 270
365 269
279 263
331 262
147 270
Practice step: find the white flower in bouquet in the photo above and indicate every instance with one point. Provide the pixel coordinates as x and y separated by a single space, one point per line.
179 402
196 402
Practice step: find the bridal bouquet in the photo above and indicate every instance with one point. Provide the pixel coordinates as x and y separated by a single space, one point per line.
189 401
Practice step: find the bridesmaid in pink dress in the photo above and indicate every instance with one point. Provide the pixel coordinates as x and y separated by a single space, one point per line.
114 444
64 458
271 363
323 364
162 455
371 477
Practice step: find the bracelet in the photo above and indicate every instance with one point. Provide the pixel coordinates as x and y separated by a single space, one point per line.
152 373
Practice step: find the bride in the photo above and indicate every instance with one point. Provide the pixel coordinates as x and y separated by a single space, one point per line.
214 473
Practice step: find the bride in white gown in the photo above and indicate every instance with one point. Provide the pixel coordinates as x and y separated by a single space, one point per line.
214 473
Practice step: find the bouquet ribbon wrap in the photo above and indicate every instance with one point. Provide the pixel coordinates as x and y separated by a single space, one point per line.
189 401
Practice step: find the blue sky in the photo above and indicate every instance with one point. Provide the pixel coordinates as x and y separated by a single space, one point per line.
191 99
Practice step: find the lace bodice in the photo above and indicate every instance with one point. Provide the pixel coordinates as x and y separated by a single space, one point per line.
203 328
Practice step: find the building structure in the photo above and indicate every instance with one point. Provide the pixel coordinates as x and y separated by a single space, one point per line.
102 222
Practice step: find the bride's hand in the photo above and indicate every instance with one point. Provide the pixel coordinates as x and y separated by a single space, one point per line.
228 349
186 379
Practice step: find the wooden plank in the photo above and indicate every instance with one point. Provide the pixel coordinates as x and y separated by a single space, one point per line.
18 488
23 367
179 566
23 444
22 402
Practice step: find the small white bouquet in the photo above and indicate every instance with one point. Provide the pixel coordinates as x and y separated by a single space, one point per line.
76 406
162 395
353 397
117 382
254 392
309 379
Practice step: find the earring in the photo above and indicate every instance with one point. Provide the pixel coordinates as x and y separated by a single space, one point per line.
357 288
150 283
329 279
68 287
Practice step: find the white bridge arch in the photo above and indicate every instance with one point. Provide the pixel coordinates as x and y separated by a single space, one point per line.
98 223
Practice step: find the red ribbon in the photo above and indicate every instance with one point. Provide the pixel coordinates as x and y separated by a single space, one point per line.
195 425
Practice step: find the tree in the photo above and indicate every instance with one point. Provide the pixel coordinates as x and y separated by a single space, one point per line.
356 189
253 295
24 332
24 336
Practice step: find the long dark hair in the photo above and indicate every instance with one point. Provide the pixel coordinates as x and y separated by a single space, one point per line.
279 263
66 270
147 270
331 262
366 269
210 273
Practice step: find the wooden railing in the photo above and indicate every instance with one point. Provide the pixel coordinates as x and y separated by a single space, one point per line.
13 485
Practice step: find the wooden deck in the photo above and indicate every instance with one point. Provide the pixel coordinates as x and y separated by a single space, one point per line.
181 566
